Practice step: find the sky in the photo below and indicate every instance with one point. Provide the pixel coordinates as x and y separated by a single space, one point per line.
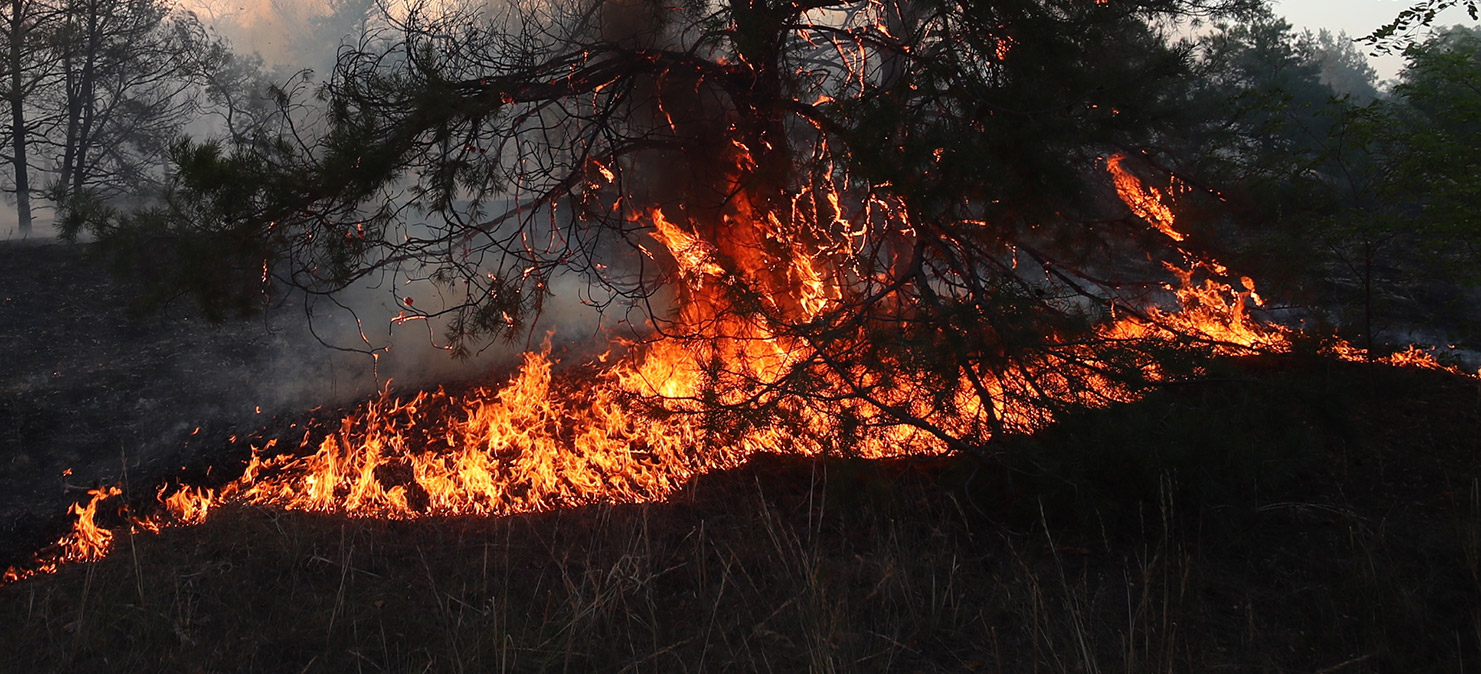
1357 18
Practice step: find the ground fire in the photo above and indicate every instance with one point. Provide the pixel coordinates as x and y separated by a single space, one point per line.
632 425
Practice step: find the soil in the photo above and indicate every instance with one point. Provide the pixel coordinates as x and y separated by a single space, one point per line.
93 392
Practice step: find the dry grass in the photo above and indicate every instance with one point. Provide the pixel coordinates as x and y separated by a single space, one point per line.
1353 545
764 579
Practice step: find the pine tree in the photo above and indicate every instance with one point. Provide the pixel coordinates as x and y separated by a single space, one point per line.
914 183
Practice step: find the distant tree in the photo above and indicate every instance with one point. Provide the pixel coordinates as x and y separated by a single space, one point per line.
126 92
335 22
290 34
1349 234
1441 90
1433 139
1375 212
1344 68
97 89
235 91
26 27
1260 87
1422 236
1302 165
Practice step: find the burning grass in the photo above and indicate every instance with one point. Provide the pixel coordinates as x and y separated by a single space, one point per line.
1347 537
860 582
633 427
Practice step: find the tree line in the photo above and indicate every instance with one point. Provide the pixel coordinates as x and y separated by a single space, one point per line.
1351 194
96 90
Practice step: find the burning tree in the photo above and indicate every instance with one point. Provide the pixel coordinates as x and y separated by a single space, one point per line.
892 215
884 228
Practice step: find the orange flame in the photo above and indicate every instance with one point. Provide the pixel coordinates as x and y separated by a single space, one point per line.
1145 202
640 427
693 255
87 542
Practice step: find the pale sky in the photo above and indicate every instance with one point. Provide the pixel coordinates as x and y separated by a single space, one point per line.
1357 18
257 29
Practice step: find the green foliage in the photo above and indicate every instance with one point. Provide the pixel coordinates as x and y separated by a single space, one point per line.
1399 33
1434 137
1261 85
1412 225
1344 68
1016 102
1352 202
208 242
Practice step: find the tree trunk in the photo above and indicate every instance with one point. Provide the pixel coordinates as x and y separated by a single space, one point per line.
80 105
18 39
89 99
89 105
1369 251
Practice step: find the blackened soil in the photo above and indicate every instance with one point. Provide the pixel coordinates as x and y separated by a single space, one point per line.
92 392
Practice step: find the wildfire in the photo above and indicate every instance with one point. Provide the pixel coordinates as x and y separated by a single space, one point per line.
1213 311
1413 356
693 255
1146 202
87 542
640 425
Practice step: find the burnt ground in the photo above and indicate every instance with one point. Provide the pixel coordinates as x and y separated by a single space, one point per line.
91 386
1288 514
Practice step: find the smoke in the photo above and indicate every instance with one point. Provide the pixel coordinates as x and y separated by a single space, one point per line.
289 35
365 338
311 351
41 223
308 351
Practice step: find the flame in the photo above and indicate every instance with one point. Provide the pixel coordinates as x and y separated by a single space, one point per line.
693 255
87 542
1145 202
189 505
1213 311
640 421
814 291
1412 356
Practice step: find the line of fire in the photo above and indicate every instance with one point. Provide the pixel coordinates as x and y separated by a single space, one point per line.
829 225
